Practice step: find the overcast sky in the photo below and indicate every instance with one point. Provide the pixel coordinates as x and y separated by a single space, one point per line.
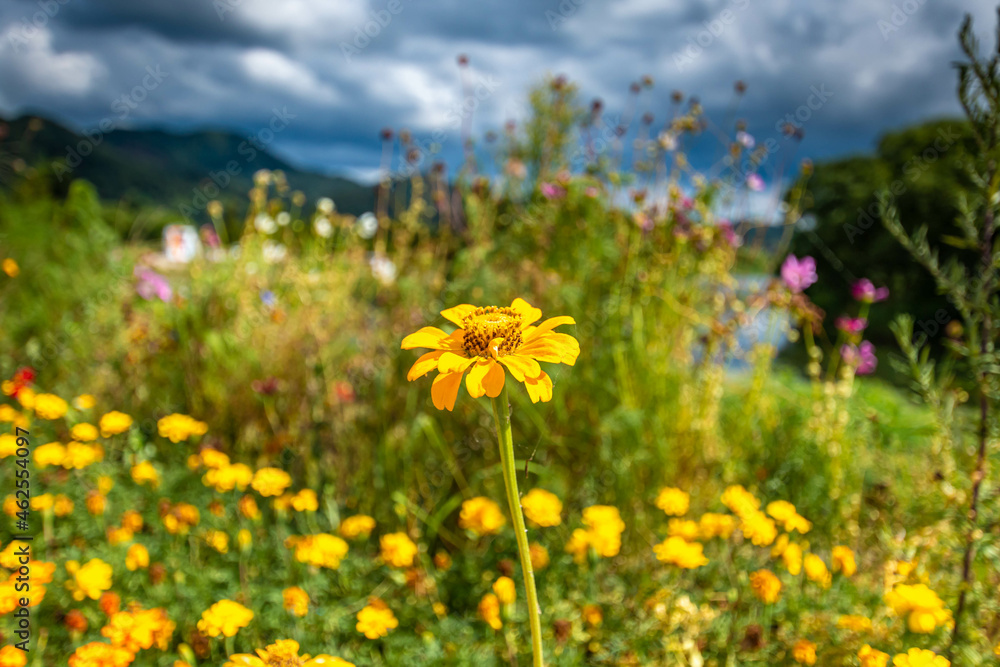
231 63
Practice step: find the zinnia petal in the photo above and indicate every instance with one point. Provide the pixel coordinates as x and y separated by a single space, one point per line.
554 348
431 337
444 390
457 314
454 363
547 325
529 314
425 365
540 388
521 367
474 383
493 382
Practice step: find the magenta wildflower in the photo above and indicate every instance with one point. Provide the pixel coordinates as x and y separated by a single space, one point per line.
851 326
152 285
591 192
552 191
866 292
755 182
729 234
798 274
862 357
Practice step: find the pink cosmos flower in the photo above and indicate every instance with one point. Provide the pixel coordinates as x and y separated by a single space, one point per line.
151 284
798 274
729 234
591 192
851 326
861 357
866 292
551 191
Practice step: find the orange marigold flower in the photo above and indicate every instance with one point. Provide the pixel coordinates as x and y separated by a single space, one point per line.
376 620
295 600
101 654
488 341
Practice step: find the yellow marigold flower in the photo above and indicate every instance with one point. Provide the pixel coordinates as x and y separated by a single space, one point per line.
919 657
105 484
923 609
757 528
296 601
578 545
8 413
539 556
542 508
51 454
225 617
843 561
178 427
137 558
84 432
213 458
8 445
487 341
79 456
11 656
358 526
248 508
132 520
870 657
244 539
145 473
84 402
305 501
218 540
505 589
673 501
114 423
270 481
816 570
321 550
791 556
854 623
62 506
689 530
482 516
26 396
49 406
489 611
42 503
10 507
118 535
283 653
592 615
11 268
804 652
140 629
397 549
439 609
678 551
96 502
101 654
227 477
765 586
376 620
90 580
739 500
604 528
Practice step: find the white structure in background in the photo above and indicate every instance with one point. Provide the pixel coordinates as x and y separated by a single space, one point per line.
181 243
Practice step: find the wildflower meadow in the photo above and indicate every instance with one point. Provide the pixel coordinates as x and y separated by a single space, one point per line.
568 405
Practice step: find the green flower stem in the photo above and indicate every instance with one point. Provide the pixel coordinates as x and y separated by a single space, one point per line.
501 414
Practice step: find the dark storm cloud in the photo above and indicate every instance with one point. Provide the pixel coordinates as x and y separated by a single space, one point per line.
348 68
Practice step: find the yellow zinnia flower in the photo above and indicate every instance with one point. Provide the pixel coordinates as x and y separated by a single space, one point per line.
487 341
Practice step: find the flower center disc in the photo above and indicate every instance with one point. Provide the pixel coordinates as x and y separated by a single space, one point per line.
483 325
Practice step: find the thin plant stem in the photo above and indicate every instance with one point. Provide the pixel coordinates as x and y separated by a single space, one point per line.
501 415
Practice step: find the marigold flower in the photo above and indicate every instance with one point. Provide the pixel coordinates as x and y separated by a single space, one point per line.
482 516
138 630
96 502
804 652
505 589
105 484
8 445
843 561
854 623
49 406
75 622
145 473
295 600
24 395
110 603
757 528
178 427
919 657
321 550
923 609
213 458
11 268
678 551
765 586
489 611
137 557
248 508
358 526
113 423
218 540
376 620
283 653
673 501
62 505
84 432
397 549
739 500
816 570
225 617
578 545
101 654
688 530
50 454
79 456
539 556
84 402
542 508
488 341
870 657
42 503
604 529
90 580
305 501
785 512
270 481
